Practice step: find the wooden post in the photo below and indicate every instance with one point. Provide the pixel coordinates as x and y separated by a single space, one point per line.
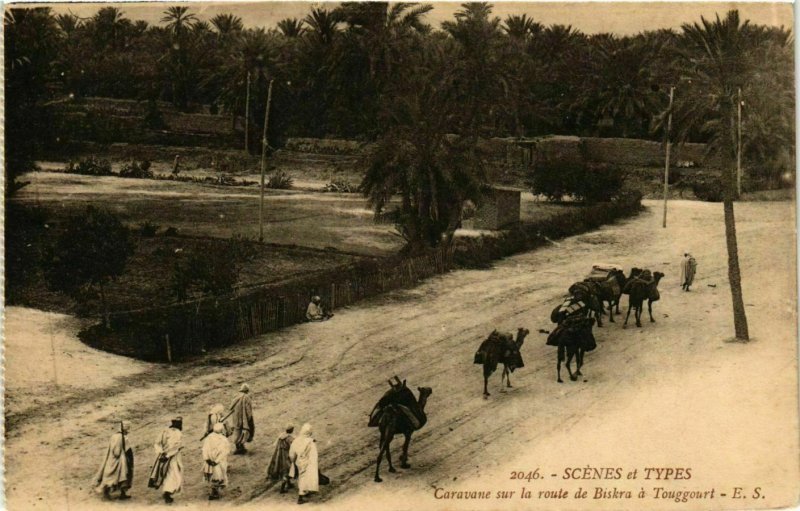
666 162
169 349
263 166
739 144
247 118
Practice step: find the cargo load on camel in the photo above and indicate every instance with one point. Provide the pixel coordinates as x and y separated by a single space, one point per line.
402 399
510 350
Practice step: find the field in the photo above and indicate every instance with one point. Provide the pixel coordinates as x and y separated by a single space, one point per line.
305 230
673 393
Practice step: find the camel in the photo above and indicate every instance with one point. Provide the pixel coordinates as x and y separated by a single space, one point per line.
609 290
585 292
641 287
397 416
573 337
500 349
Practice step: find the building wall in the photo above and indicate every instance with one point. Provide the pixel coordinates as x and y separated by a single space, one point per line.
500 208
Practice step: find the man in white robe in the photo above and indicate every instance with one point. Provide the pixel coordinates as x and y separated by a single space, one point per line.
241 419
315 311
116 471
216 415
215 460
167 472
305 464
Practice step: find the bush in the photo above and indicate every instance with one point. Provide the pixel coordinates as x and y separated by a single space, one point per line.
340 186
153 119
93 249
600 182
136 170
90 166
171 231
591 182
708 189
148 230
279 181
555 179
212 270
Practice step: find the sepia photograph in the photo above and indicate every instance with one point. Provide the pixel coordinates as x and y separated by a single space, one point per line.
402 256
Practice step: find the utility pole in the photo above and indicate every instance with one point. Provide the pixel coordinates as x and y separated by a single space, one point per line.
666 162
247 117
263 166
739 144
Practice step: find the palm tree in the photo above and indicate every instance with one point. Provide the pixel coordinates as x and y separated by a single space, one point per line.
68 23
178 20
522 28
291 27
227 24
484 77
31 44
434 173
323 25
718 56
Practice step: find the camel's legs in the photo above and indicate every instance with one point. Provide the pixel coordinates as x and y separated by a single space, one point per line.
579 362
628 316
611 311
570 354
389 454
404 456
507 376
558 365
383 446
485 386
650 310
639 316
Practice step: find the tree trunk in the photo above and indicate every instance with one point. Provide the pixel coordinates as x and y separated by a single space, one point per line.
734 274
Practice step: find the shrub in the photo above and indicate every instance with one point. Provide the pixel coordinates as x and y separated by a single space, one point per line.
153 118
555 179
92 250
600 182
339 186
136 170
279 181
148 229
90 166
171 231
591 182
708 189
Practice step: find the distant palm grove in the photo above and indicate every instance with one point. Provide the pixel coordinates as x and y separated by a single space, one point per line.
367 70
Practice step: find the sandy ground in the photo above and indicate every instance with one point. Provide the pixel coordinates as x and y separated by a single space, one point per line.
671 394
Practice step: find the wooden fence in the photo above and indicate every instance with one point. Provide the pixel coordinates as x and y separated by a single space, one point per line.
178 331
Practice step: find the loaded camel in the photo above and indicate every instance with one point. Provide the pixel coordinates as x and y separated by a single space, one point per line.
398 412
585 292
573 335
609 290
641 286
500 349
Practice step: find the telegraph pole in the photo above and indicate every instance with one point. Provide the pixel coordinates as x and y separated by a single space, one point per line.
247 117
263 166
739 144
666 162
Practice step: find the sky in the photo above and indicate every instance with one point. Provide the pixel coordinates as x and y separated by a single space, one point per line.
589 17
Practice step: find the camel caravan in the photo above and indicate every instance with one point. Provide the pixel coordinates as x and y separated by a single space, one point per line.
399 411
574 319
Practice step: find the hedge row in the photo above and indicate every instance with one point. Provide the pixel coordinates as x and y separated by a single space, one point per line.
480 252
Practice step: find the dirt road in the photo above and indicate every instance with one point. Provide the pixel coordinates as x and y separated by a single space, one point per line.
672 392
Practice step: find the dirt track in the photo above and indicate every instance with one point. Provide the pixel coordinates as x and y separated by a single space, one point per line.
330 374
